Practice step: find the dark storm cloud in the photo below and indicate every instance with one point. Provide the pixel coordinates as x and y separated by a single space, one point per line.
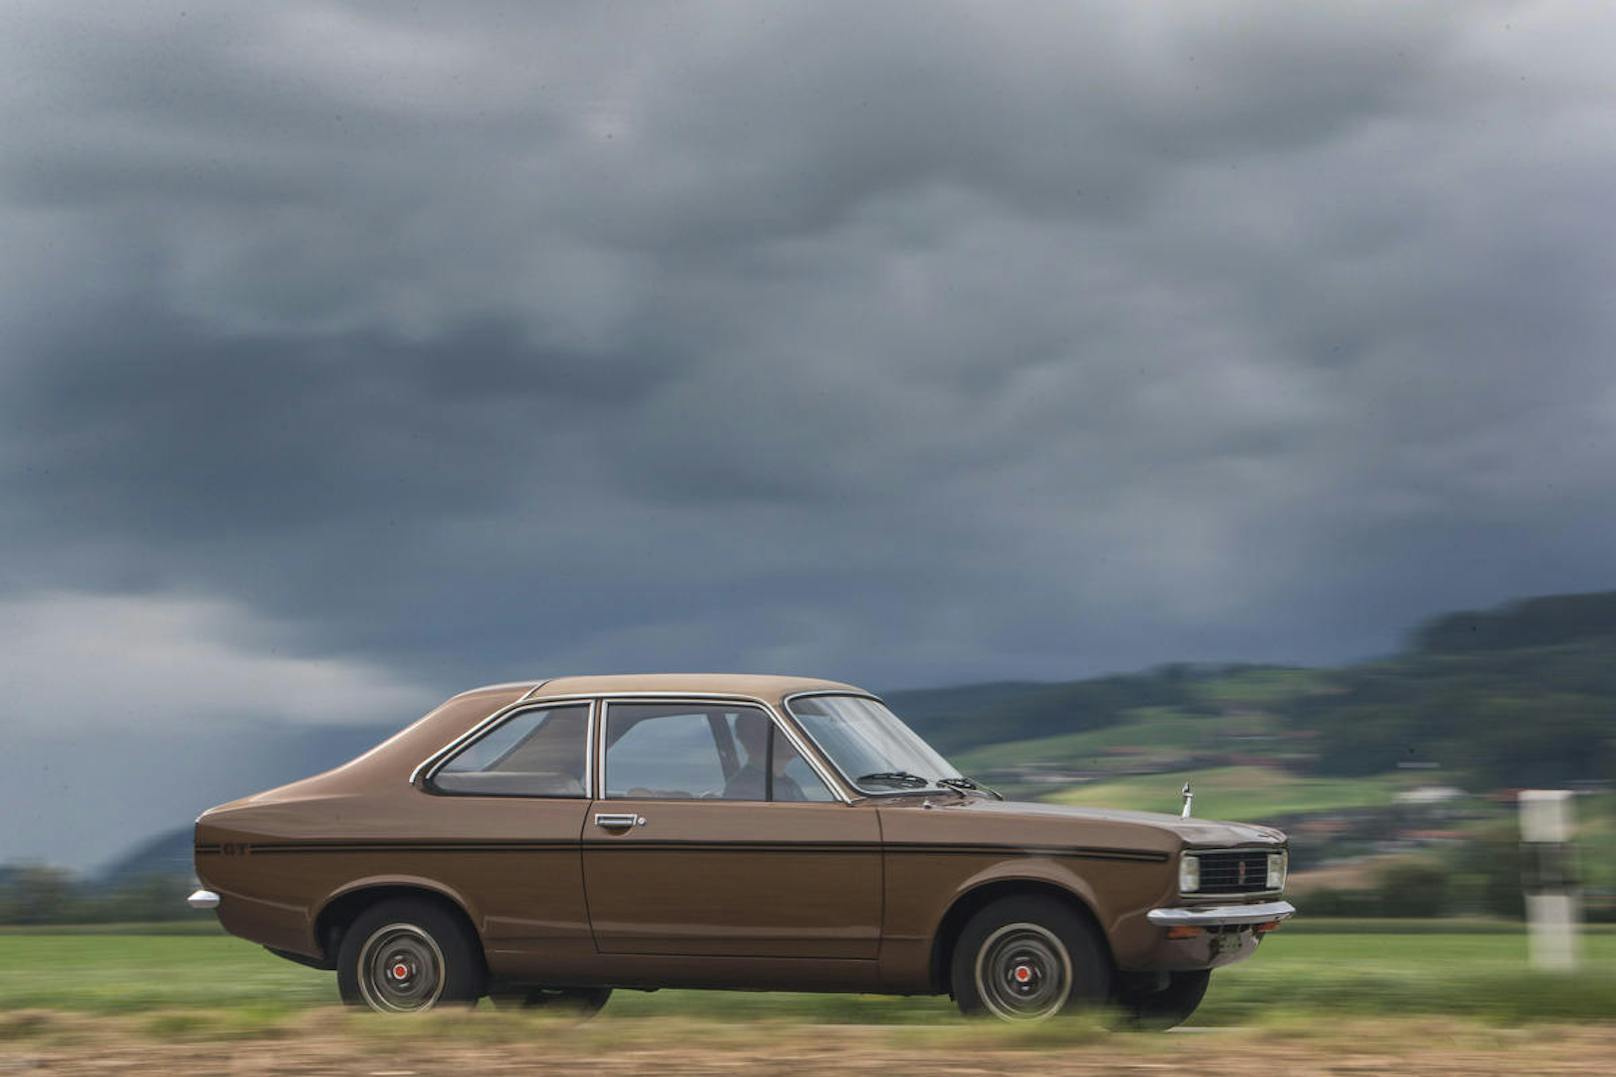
906 344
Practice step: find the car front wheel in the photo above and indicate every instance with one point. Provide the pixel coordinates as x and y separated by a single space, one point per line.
408 956
1028 959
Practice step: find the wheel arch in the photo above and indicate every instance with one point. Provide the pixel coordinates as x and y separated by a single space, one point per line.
977 897
342 907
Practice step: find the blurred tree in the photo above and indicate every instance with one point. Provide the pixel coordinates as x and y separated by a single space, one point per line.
1412 888
37 894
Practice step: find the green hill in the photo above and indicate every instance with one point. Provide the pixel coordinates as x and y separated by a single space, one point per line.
1516 696
1542 714
1548 621
970 715
1245 794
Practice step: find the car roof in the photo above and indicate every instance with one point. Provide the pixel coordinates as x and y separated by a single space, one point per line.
756 685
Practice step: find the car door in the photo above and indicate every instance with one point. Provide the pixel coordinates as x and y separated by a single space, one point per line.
713 837
502 822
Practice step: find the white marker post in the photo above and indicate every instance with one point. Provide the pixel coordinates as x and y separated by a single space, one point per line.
1553 904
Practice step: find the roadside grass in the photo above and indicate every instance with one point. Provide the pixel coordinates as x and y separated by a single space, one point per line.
1389 925
1241 794
131 973
198 925
209 987
1480 973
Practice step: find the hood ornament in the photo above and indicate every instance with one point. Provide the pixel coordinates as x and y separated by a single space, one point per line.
1189 796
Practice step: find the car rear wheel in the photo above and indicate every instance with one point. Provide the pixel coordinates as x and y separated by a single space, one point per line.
1028 959
580 1002
408 956
1169 1007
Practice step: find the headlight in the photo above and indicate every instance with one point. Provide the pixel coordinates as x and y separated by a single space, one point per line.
1189 874
1277 863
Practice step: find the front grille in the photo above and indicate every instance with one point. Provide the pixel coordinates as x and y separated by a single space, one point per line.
1237 871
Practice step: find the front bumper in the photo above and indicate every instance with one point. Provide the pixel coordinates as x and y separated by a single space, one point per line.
1182 938
203 899
1266 912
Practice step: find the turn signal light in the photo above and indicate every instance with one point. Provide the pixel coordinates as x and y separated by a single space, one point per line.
1263 929
1182 932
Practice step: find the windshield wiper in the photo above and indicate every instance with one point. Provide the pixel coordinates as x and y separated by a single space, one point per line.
895 777
966 783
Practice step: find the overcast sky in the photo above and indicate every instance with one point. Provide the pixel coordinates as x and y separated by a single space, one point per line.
354 354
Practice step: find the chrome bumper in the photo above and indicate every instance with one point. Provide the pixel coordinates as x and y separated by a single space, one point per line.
1222 915
203 899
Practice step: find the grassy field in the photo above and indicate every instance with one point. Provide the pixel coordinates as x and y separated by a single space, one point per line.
1475 970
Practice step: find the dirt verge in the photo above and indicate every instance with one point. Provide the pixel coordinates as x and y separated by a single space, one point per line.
49 1042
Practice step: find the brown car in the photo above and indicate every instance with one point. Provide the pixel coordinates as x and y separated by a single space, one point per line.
544 843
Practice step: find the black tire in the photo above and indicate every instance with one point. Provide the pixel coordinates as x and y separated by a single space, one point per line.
578 1002
1028 959
408 955
1169 1007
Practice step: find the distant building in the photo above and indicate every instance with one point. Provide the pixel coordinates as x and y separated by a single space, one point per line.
1430 794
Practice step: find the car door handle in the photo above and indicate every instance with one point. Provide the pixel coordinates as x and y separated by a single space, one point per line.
616 821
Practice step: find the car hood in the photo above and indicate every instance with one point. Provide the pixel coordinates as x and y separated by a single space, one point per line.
1031 817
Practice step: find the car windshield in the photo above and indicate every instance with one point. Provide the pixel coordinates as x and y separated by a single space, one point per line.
869 744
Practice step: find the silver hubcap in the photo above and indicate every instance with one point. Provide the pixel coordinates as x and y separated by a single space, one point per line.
400 969
1023 973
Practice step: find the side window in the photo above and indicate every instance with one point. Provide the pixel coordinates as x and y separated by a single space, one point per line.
692 751
678 750
535 753
670 755
793 779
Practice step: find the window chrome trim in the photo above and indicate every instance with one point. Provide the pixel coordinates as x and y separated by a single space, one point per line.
927 790
505 686
476 728
424 771
811 754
